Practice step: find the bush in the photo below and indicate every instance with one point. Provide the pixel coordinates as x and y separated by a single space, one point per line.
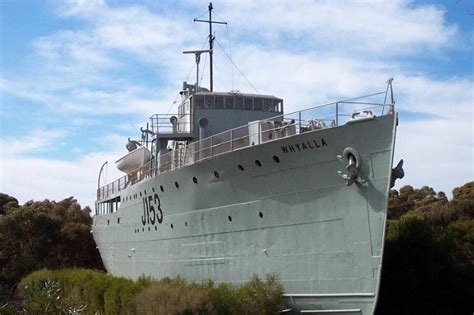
173 296
94 292
91 291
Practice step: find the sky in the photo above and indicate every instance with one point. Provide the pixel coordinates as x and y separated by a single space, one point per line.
77 78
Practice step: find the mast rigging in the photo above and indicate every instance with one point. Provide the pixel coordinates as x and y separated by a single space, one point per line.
211 42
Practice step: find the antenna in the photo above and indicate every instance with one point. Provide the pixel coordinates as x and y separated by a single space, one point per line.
198 53
211 42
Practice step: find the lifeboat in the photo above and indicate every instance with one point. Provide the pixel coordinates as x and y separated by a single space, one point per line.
133 160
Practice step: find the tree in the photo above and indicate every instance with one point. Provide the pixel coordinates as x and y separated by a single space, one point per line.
429 253
7 202
44 234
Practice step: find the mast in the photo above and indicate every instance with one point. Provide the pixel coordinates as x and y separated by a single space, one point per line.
211 42
211 45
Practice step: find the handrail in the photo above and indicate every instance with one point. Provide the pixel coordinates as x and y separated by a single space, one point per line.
283 125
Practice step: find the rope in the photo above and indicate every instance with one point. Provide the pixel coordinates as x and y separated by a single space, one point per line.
203 68
187 78
230 49
230 53
230 59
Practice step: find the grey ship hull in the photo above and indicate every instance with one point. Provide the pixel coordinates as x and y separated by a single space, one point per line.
296 218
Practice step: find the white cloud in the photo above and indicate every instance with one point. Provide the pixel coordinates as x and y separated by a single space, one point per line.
380 27
438 153
38 141
29 178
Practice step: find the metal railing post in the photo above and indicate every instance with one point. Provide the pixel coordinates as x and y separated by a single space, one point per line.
299 121
337 114
232 140
212 146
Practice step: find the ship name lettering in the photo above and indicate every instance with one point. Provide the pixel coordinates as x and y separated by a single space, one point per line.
304 146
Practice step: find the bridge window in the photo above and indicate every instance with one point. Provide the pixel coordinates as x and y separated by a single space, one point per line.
219 102
234 102
278 105
198 101
248 103
239 102
267 105
209 101
229 102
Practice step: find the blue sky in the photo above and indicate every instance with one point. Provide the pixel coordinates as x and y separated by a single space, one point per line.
77 78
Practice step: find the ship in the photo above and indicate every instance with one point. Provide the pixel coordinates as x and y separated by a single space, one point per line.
231 187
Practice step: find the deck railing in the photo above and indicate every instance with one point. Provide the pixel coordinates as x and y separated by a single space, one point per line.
254 133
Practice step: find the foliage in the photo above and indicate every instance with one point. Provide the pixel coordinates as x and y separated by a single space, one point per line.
428 263
7 203
92 292
44 234
173 296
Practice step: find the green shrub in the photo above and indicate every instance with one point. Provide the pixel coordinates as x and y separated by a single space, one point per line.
119 297
79 291
91 291
173 296
253 297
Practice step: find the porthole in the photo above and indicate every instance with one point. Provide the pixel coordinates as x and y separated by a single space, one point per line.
276 159
118 220
257 162
260 214
140 193
230 218
161 188
186 223
145 192
149 229
195 180
156 228
240 167
143 229
176 184
153 188
216 174
171 225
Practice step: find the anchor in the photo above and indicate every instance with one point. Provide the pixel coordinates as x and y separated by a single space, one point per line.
352 168
397 173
